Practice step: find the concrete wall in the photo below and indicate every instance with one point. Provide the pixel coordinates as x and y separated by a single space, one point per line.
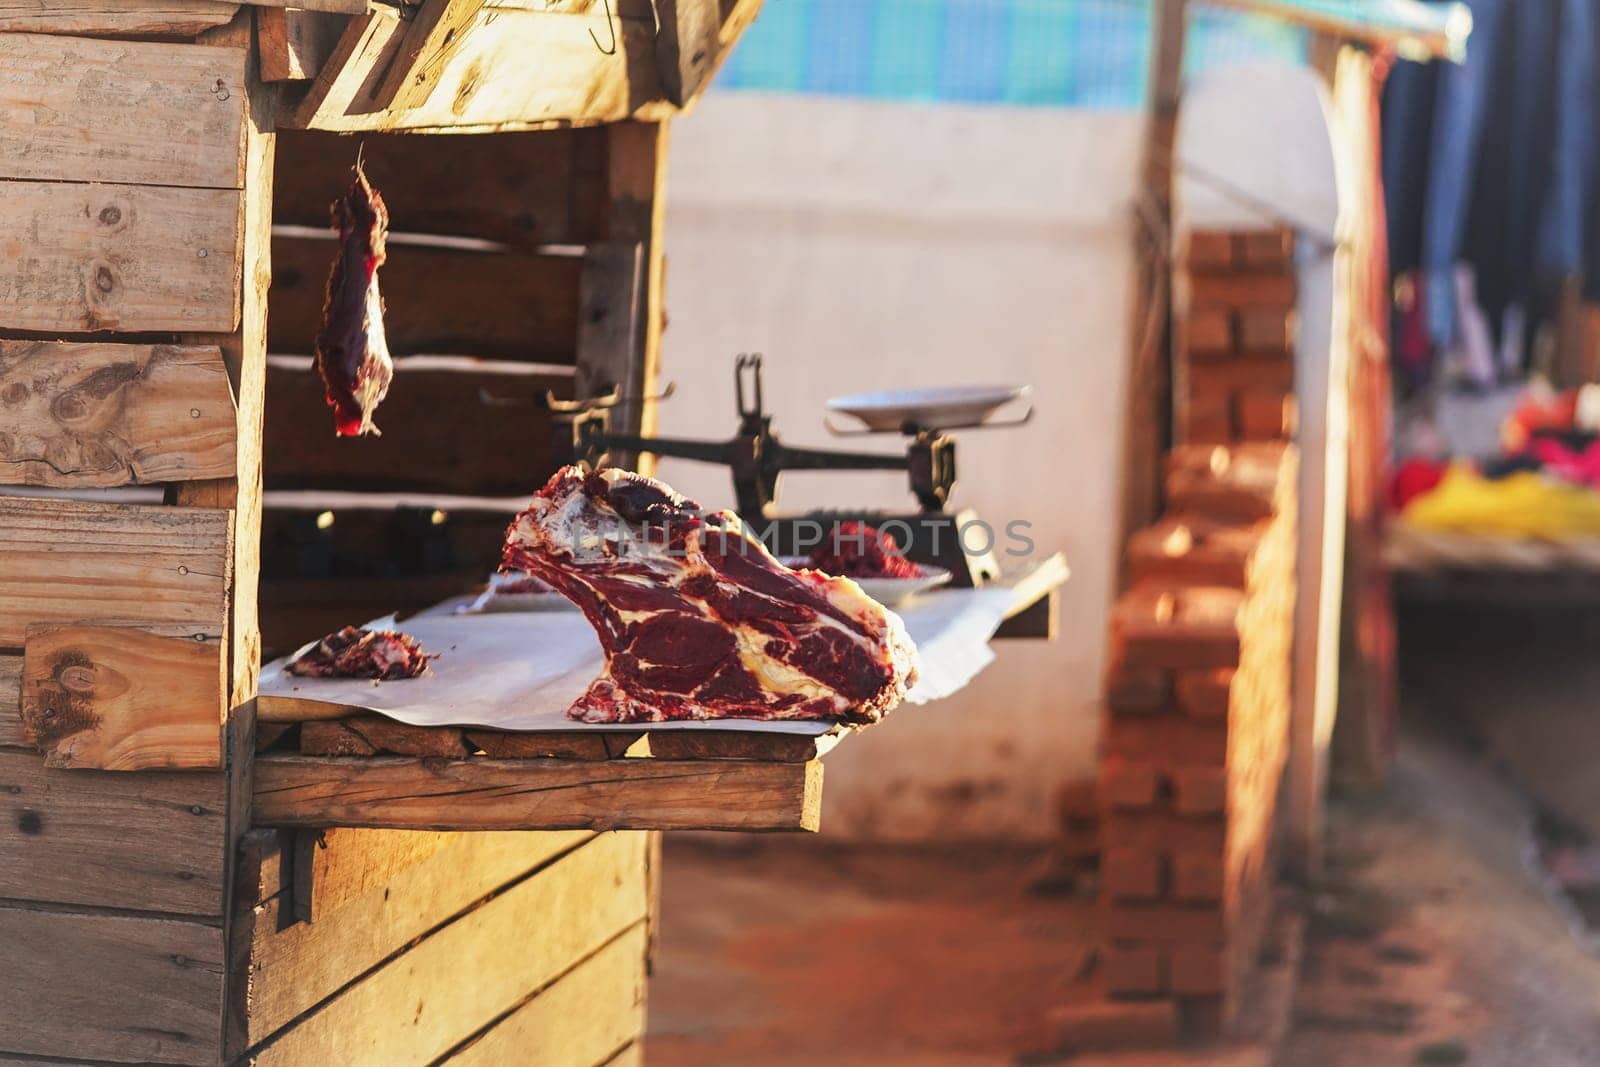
866 245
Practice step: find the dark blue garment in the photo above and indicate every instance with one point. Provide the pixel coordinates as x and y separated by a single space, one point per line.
1514 162
1561 227
1408 97
1457 126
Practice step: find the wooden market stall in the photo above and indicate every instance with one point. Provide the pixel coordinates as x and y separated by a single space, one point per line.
188 875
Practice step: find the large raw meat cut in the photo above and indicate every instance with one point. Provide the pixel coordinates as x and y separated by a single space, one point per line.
352 350
696 618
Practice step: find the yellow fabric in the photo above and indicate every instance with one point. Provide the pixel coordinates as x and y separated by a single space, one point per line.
1524 504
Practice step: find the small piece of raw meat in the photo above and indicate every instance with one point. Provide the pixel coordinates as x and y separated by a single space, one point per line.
697 620
857 550
355 652
352 352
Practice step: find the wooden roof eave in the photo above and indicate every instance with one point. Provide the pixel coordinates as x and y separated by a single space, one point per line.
462 66
1414 30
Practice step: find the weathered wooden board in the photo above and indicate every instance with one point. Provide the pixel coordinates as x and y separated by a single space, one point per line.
122 699
455 982
636 161
110 988
70 562
11 732
88 18
338 867
244 350
131 112
499 744
533 68
109 415
632 1056
687 47
437 301
294 44
341 7
497 794
377 735
457 430
296 966
371 735
591 1012
611 328
141 841
131 258
516 188
435 35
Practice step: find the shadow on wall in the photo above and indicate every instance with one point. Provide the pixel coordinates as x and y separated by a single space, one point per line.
874 245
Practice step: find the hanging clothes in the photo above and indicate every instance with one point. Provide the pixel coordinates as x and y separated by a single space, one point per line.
1457 130
1562 230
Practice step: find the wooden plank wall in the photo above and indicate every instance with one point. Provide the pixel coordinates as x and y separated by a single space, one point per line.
124 178
428 947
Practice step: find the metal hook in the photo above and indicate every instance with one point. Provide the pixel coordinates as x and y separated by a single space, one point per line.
748 361
610 26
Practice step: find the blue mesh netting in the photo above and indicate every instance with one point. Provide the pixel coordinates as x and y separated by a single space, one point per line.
1039 53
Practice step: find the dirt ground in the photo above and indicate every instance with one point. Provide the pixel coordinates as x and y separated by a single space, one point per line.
1432 941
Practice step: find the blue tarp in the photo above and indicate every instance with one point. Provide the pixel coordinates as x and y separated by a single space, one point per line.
1029 53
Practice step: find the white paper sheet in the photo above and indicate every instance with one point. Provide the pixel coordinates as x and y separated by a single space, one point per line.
521 671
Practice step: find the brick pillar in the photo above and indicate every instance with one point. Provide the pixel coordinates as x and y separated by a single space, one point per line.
1235 329
1196 733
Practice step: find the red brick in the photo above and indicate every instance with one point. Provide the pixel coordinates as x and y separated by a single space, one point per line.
1131 873
1204 694
1264 413
1171 625
1199 790
1224 377
1197 970
1195 550
1128 784
1206 420
1267 330
1133 970
1167 740
1206 331
1264 248
1131 690
1102 1025
1163 923
1243 289
1163 831
1196 876
1209 250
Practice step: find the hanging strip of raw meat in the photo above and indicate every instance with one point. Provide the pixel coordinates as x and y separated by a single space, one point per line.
697 620
352 352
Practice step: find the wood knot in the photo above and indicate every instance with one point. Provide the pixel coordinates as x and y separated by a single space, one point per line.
76 679
104 280
15 393
29 822
110 215
69 407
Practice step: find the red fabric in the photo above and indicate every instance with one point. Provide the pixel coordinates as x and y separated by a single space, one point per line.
1412 478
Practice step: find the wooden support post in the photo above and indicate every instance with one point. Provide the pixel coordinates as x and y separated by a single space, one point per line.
1147 429
636 161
